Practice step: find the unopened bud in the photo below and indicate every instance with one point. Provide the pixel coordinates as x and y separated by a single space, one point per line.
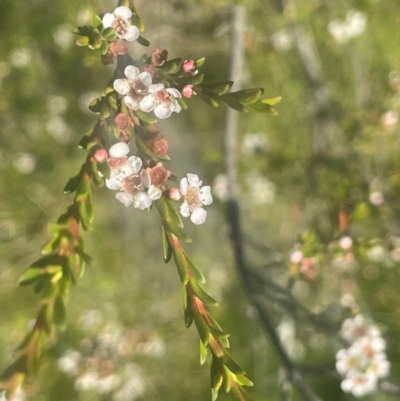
188 91
122 122
160 146
100 155
158 175
188 66
118 47
174 194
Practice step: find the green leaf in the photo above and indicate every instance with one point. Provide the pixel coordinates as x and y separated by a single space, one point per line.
239 394
145 117
201 328
105 112
217 88
272 101
234 105
183 103
180 262
208 99
188 314
245 96
142 41
73 183
199 62
104 46
84 217
97 21
194 79
203 353
96 104
244 381
82 41
263 108
195 272
216 376
109 33
97 180
168 212
167 250
201 294
171 66
51 245
60 312
31 275
232 365
104 168
112 100
174 229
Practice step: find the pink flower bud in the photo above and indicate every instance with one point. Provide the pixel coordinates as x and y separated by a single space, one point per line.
174 194
100 155
159 146
158 175
188 66
188 91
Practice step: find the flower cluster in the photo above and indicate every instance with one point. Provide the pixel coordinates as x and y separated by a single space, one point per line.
308 267
354 25
104 364
365 361
140 93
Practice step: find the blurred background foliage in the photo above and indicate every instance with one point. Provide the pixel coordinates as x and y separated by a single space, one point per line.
331 149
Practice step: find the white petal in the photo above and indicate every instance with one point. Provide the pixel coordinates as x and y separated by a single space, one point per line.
184 186
124 198
132 102
136 163
174 92
205 195
123 12
198 216
108 20
185 212
175 106
146 78
114 183
154 192
120 149
145 178
121 86
142 201
148 103
162 111
131 34
132 72
194 180
156 88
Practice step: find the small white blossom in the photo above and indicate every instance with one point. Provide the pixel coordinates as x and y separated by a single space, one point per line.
296 256
348 360
161 100
376 198
379 366
195 196
346 243
69 362
87 381
119 22
359 383
355 328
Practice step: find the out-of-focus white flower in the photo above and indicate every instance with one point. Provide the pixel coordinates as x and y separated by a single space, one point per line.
377 254
63 36
108 383
69 362
370 346
281 40
348 301
354 25
390 119
20 57
349 360
262 189
296 256
354 328
87 381
220 187
58 129
359 383
195 196
253 143
90 320
376 198
346 243
57 104
24 162
19 395
380 366
119 22
131 390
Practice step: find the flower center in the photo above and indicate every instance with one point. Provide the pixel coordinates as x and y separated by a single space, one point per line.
192 198
120 26
138 88
164 96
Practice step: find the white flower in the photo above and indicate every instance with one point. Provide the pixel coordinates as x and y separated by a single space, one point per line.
108 383
359 383
346 243
119 22
352 329
134 87
379 366
162 101
356 22
69 362
349 360
296 256
376 198
195 197
87 381
370 346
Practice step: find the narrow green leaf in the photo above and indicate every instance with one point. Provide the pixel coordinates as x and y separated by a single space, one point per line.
167 250
201 328
97 180
109 33
228 378
31 275
272 101
180 262
203 353
145 117
216 376
239 394
263 108
60 312
201 294
208 99
244 381
82 41
97 21
245 96
174 229
188 314
73 183
199 62
104 46
104 168
194 79
195 272
217 88
232 365
168 212
96 104
171 66
142 41
51 245
234 105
